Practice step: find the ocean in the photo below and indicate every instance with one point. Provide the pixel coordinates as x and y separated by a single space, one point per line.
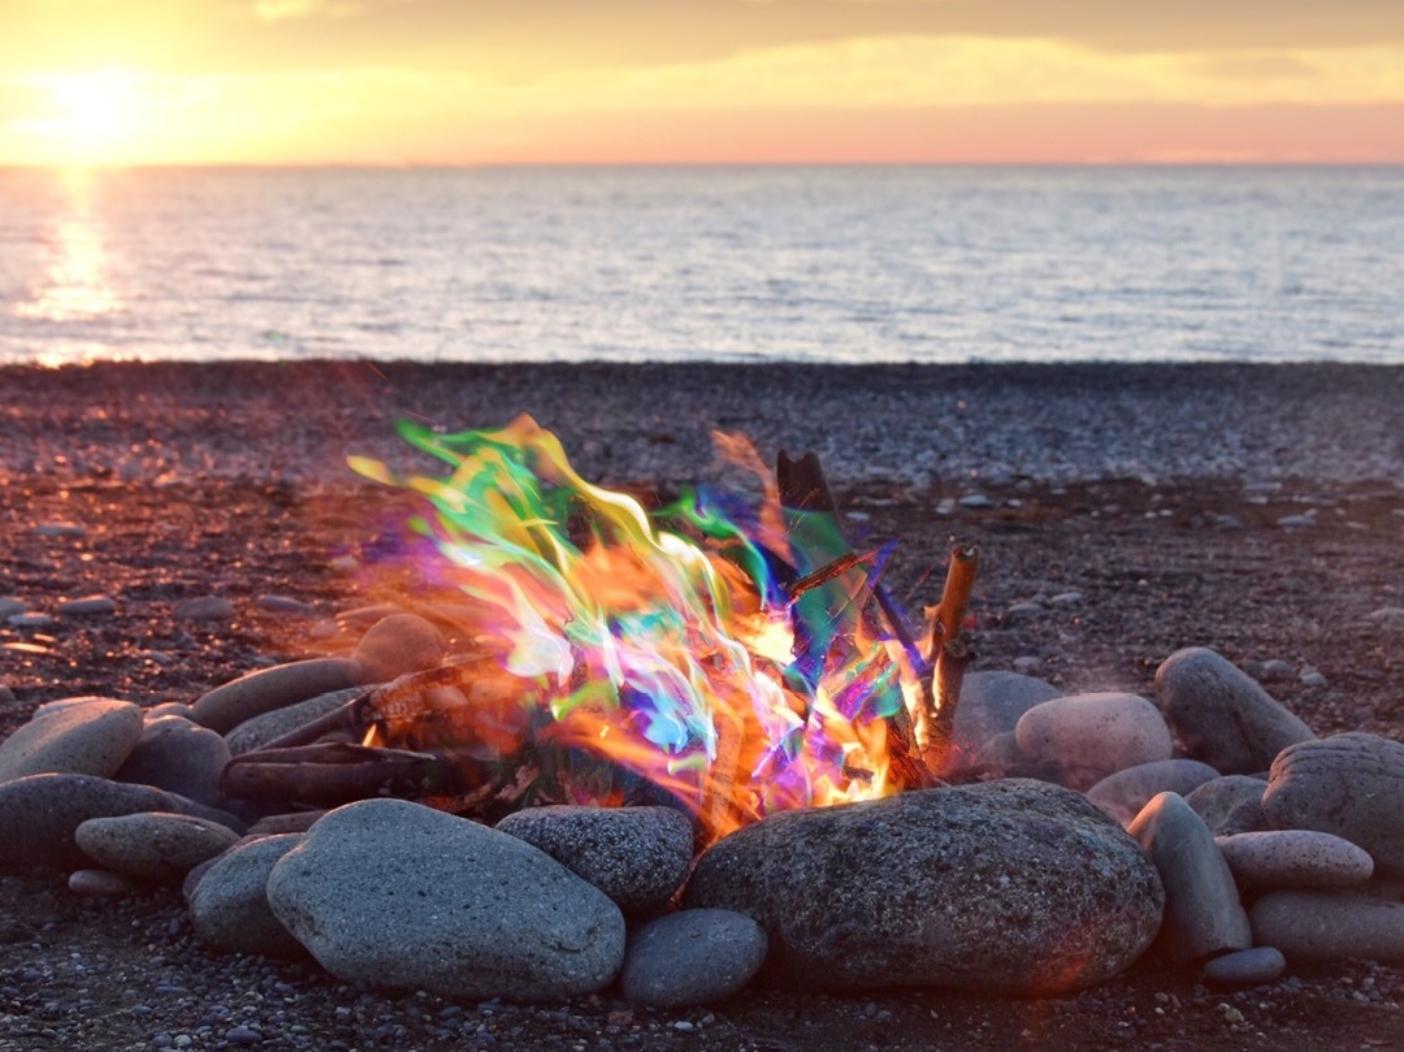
644 264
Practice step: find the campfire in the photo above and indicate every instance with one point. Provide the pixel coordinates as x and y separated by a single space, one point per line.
626 736
728 650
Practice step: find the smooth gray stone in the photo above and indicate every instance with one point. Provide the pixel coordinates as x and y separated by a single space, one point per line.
1203 913
84 736
692 957
88 606
167 708
100 884
399 895
225 707
39 815
1002 752
1231 804
1295 858
397 645
259 731
292 822
1321 926
229 903
1261 964
284 604
181 756
204 608
1091 736
991 704
152 846
1013 887
1221 714
1122 795
1351 785
638 856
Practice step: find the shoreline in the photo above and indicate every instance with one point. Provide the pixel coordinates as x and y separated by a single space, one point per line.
923 426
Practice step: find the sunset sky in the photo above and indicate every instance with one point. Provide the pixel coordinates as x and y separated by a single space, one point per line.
650 81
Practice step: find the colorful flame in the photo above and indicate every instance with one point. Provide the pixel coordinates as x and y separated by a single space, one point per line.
666 642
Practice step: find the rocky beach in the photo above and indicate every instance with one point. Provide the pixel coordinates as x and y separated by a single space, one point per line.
168 528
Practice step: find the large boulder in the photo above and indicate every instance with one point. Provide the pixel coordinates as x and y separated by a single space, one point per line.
991 704
1090 736
1231 804
691 957
399 644
1124 794
227 706
78 736
1351 785
259 731
1203 913
638 856
1221 714
1320 926
229 902
178 755
153 846
400 895
40 814
1015 886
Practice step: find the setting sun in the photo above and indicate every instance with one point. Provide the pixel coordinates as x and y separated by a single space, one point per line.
96 112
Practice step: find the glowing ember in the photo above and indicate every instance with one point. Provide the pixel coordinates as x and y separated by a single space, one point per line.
715 647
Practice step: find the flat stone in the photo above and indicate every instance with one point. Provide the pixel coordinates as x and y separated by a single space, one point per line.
181 756
638 856
89 736
167 708
60 529
33 620
1350 785
1261 964
100 884
283 604
1090 736
1203 914
152 846
1010 887
10 606
259 731
264 690
1221 714
1123 795
1321 926
692 957
1066 599
991 704
229 902
397 645
39 815
976 501
204 608
1231 804
88 606
1295 858
399 895
1020 613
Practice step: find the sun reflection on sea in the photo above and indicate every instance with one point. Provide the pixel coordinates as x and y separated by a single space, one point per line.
75 286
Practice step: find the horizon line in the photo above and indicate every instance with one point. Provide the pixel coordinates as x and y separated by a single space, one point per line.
688 164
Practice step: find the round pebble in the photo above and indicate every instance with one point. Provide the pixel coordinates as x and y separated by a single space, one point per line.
1261 964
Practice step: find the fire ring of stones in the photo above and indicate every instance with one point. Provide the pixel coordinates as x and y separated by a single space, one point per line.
851 810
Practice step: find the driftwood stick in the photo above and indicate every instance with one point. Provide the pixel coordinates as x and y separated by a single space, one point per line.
950 653
353 716
329 784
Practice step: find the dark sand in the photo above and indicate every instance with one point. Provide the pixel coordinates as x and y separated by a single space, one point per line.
228 481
